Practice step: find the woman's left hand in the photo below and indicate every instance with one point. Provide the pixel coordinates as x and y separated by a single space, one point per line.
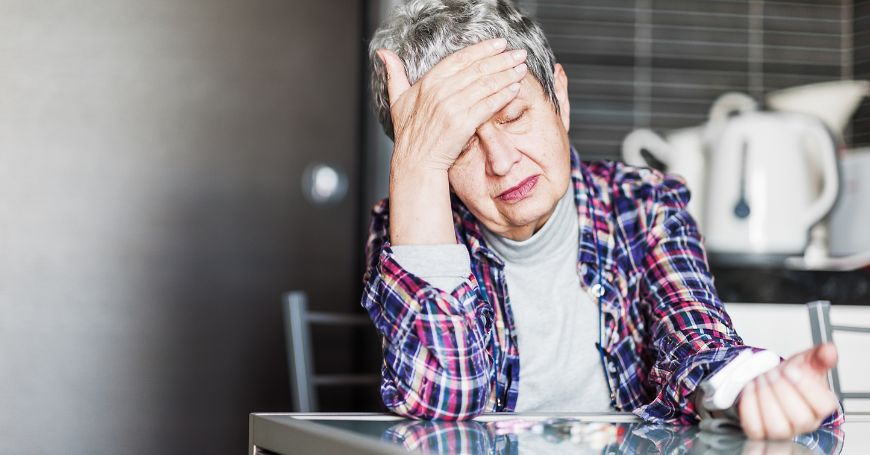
792 399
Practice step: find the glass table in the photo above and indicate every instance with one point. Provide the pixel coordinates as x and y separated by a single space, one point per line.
521 433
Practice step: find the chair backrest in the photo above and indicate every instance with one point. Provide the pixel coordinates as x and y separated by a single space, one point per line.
300 357
823 331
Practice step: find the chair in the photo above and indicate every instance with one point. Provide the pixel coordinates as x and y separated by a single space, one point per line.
822 329
297 328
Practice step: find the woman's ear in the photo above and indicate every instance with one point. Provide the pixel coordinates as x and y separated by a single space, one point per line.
560 79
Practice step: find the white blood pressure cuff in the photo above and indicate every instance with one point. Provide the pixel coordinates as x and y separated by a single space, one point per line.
721 390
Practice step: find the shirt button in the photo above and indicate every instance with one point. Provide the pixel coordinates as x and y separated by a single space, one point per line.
597 290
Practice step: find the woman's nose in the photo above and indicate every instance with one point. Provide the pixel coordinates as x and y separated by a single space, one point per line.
500 153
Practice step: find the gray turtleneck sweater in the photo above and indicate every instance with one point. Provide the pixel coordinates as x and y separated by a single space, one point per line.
556 319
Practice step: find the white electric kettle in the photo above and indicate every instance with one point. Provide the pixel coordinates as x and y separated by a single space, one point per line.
683 151
772 177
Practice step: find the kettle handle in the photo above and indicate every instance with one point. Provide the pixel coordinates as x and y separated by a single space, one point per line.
644 139
830 174
729 103
723 108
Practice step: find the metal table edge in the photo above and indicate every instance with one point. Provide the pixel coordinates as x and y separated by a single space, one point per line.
300 436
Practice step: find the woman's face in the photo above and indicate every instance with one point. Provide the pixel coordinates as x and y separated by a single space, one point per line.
518 164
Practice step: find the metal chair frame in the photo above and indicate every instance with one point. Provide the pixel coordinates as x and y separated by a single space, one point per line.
300 358
823 330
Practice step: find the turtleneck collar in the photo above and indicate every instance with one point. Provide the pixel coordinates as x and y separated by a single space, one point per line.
559 229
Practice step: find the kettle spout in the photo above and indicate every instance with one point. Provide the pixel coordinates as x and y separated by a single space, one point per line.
832 102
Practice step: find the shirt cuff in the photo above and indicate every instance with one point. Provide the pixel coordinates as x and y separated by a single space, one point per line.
444 266
730 380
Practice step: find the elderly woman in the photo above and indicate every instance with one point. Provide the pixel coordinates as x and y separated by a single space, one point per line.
505 274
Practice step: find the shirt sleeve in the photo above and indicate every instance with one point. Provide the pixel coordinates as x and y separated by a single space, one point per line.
443 266
692 335
436 362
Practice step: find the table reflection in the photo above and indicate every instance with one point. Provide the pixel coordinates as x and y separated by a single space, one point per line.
561 436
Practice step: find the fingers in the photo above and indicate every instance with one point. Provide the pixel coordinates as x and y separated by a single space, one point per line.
775 423
812 388
819 358
750 414
488 66
397 78
823 357
464 57
487 107
490 95
786 401
802 418
431 118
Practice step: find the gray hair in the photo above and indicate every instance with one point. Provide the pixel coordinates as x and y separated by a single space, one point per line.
422 32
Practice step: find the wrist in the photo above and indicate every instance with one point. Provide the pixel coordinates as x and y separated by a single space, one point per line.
421 177
420 211
418 178
418 189
417 158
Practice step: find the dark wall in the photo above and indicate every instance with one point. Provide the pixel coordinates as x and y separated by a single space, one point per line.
151 214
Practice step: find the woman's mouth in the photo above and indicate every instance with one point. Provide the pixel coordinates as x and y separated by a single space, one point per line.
520 191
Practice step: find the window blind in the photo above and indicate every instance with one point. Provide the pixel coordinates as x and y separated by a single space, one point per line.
661 63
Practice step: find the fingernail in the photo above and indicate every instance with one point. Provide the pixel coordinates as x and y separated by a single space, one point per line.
519 55
793 373
521 68
499 44
515 86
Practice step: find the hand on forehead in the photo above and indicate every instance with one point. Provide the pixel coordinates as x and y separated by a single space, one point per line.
443 109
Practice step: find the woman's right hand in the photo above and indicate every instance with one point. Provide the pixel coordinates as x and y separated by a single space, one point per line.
433 121
435 118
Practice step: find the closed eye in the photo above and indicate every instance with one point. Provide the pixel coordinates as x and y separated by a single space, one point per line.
513 119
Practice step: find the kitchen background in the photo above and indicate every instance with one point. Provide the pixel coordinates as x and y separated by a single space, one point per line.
166 169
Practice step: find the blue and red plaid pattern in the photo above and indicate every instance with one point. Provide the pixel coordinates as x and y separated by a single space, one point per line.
452 354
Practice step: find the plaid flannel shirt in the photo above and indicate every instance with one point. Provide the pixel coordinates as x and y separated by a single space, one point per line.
452 353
